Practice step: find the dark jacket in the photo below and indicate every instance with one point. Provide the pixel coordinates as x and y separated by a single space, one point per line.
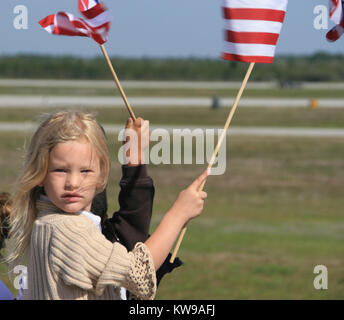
4 230
130 224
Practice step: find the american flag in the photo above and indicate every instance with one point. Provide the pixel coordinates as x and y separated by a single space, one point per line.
337 16
95 25
252 28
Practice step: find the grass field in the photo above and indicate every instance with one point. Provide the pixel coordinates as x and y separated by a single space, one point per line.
265 117
273 216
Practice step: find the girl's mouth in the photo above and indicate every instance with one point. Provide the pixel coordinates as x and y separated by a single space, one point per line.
71 197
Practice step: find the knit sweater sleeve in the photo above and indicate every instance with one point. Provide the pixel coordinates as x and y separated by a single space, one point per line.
81 256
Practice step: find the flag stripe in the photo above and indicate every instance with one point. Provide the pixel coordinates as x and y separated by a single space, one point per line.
68 22
254 14
50 28
93 12
337 16
69 32
87 4
336 12
254 4
253 26
249 49
79 25
250 37
335 33
47 21
257 59
100 20
82 5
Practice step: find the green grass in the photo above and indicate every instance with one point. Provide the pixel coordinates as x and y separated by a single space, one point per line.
275 214
256 117
268 221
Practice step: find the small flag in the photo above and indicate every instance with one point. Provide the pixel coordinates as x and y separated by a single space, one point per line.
95 25
252 28
337 16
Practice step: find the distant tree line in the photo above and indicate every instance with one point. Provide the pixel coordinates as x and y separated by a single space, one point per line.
317 67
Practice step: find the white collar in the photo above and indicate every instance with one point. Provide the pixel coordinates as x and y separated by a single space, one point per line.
94 218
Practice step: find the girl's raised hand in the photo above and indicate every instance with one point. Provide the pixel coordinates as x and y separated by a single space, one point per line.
137 140
189 203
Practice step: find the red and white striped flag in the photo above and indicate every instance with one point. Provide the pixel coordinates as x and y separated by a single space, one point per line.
337 16
252 28
95 25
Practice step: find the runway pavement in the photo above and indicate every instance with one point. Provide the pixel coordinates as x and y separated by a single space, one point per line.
49 83
7 101
46 83
235 131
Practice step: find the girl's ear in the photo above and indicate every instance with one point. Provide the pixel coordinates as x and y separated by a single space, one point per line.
100 183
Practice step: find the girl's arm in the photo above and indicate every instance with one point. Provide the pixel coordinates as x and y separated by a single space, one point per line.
188 205
130 224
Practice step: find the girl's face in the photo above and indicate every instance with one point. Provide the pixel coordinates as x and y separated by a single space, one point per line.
73 175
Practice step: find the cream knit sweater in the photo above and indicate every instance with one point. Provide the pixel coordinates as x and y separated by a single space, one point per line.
71 259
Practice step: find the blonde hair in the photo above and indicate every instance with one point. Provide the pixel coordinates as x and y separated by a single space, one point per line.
58 127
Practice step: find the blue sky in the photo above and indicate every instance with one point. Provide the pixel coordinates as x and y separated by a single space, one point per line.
156 28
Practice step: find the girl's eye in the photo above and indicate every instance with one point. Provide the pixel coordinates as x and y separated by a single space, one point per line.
86 171
60 170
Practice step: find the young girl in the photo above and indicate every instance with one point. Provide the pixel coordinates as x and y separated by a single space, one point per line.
67 164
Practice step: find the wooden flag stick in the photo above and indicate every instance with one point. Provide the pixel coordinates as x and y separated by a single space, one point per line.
131 112
212 160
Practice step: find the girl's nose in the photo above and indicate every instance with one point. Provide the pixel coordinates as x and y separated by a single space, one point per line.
72 181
